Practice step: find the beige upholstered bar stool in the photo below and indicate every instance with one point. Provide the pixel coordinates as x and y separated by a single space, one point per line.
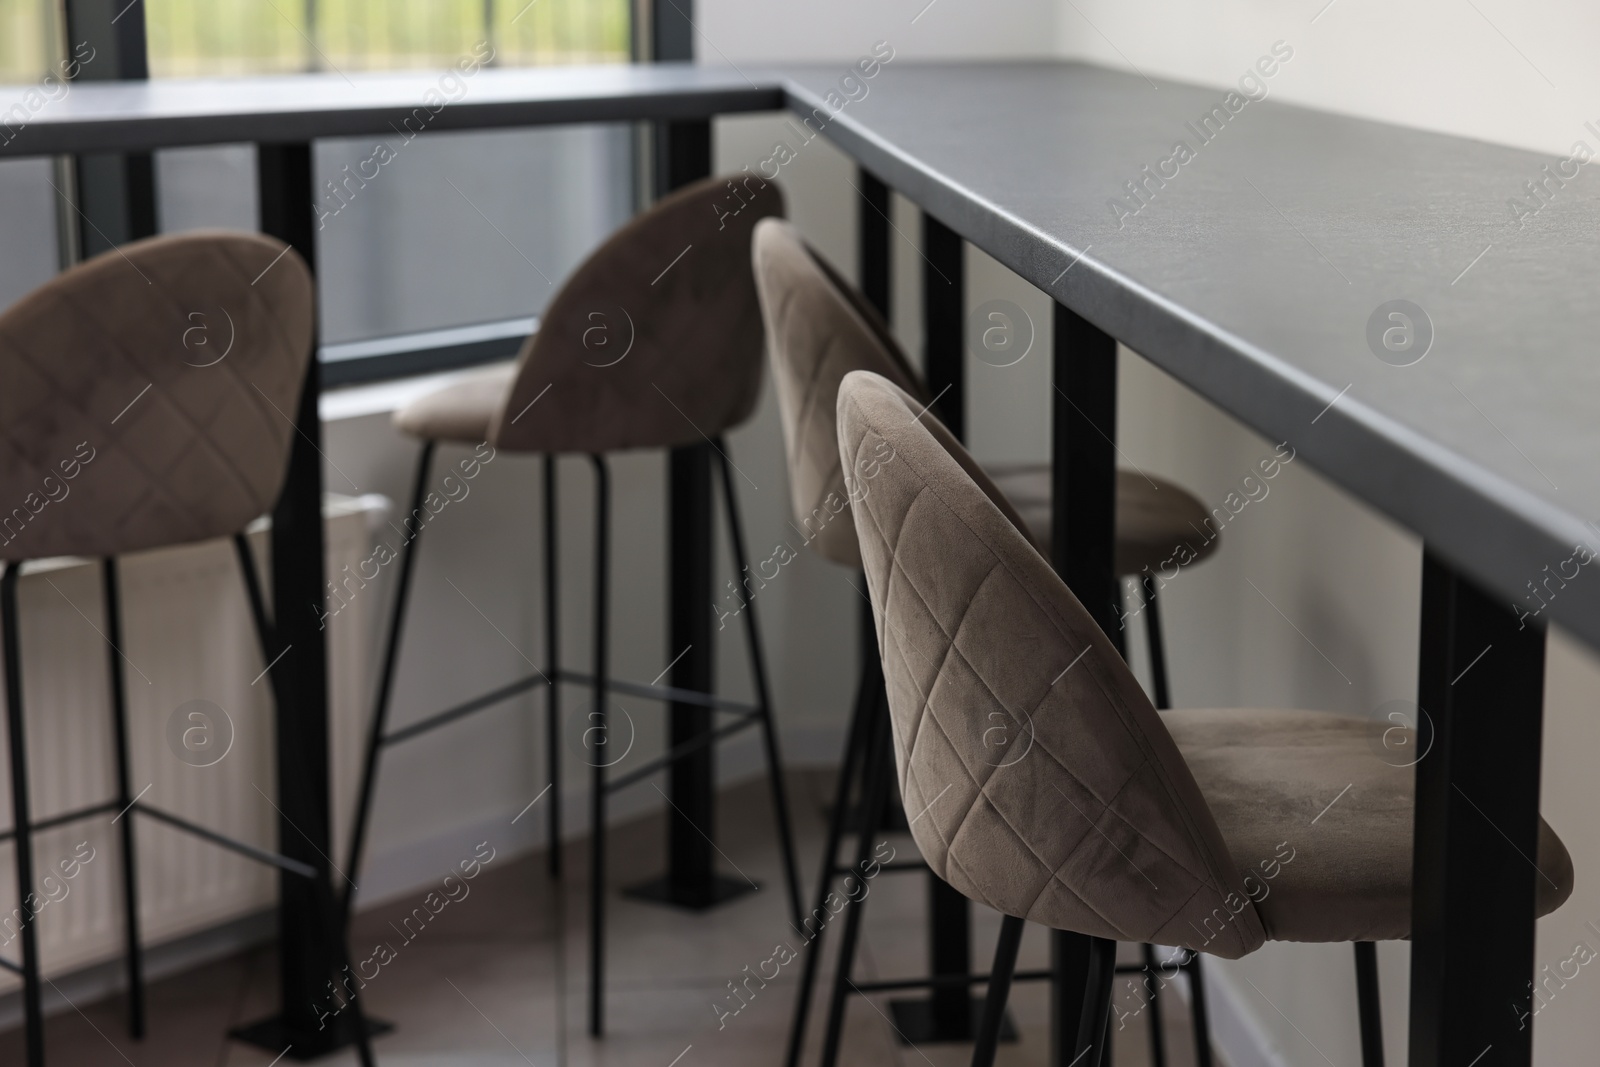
1106 818
819 329
142 408
654 342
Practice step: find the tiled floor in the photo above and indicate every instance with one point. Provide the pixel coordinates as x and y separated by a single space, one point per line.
493 980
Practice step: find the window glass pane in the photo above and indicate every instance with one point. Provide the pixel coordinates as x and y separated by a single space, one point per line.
457 227
24 39
193 38
190 38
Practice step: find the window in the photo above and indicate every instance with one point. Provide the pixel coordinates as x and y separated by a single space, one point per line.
203 38
24 39
464 228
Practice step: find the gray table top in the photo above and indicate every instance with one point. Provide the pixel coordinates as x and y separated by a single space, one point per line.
106 116
1251 271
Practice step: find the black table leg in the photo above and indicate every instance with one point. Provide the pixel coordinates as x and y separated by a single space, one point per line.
1083 534
944 295
873 228
308 960
1477 827
683 155
949 1013
1083 457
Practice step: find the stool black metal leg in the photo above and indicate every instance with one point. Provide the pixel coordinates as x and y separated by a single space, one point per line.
33 1016
994 1004
134 947
1158 1041
1069 972
1368 1004
1197 1009
1158 650
1094 1026
874 793
552 641
758 669
599 752
380 709
849 770
1119 635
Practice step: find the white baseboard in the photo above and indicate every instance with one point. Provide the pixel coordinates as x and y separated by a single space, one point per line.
1235 1034
102 980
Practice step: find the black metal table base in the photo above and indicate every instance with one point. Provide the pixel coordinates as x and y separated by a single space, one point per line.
277 1037
919 1022
699 895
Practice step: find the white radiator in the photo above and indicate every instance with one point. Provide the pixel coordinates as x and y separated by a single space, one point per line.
186 636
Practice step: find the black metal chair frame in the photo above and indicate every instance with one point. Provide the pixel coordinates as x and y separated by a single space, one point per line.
743 714
24 826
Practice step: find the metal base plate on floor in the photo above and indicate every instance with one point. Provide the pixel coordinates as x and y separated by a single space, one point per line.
719 890
301 1045
918 1025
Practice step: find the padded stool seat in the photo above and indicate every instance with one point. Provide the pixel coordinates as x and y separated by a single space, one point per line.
1268 773
461 411
1155 517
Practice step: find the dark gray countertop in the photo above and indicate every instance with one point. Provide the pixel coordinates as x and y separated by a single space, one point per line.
1252 273
137 115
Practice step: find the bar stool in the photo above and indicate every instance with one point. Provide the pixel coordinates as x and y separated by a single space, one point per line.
653 342
122 433
1210 830
820 328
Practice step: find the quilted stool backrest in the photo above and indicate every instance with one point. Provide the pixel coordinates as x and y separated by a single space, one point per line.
655 340
818 330
1046 785
148 395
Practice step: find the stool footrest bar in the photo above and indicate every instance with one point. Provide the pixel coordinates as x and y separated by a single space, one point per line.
7 965
902 867
260 855
478 703
665 693
943 981
65 817
522 685
678 752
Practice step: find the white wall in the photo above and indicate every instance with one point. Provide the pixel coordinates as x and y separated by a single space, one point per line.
1347 576
779 31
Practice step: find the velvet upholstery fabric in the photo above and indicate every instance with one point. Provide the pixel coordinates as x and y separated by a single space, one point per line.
653 342
817 332
149 395
1335 793
1154 516
819 329
461 411
1039 779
